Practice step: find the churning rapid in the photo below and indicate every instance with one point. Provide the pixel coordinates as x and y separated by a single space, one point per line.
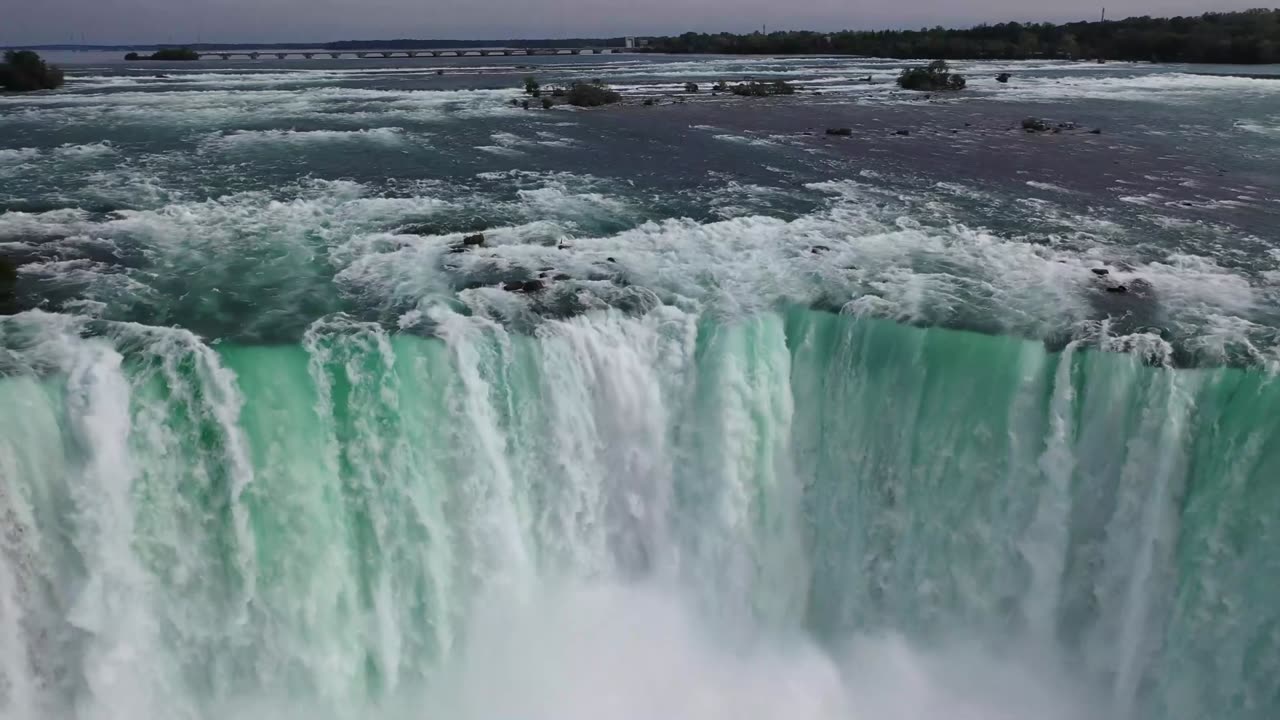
719 420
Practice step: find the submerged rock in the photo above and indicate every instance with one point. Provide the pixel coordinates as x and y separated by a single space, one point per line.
842 132
1003 77
525 286
902 132
1032 124
1117 288
1100 271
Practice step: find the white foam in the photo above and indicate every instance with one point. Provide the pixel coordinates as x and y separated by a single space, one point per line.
245 139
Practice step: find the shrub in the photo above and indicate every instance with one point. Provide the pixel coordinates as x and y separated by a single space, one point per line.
531 85
935 76
547 103
592 95
557 92
24 70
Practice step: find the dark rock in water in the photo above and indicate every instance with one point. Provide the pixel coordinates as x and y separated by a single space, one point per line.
439 72
609 259
1117 289
8 286
1096 131
1067 126
468 242
1035 125
901 132
842 132
1003 77
525 286
525 104
649 102
161 76
1100 271
562 276
817 249
690 87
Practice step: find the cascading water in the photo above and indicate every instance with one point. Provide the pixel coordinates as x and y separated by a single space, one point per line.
792 514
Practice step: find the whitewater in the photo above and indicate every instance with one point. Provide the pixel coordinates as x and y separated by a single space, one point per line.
787 426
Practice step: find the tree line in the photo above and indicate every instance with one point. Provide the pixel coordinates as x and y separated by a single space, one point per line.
1249 37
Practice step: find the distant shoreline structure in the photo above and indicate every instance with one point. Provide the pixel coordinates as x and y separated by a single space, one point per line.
1245 37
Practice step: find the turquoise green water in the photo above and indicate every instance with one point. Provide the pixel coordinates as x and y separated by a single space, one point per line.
792 514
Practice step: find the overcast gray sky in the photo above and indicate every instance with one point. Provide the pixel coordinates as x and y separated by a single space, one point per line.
152 21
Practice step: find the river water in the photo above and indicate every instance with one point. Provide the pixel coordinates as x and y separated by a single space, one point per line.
791 425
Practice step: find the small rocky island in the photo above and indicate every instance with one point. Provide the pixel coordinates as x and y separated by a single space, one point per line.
181 54
24 71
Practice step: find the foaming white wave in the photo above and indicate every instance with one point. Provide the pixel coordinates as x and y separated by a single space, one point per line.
239 107
18 158
1269 128
745 140
241 139
1047 186
1156 87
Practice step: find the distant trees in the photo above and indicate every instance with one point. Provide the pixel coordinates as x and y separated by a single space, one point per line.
166 54
24 70
1251 36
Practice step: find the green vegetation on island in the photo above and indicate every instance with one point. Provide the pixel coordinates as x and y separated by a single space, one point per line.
24 71
936 75
579 94
1251 36
591 94
764 89
166 54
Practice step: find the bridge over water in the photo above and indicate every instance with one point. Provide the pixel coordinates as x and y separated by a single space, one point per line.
407 53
